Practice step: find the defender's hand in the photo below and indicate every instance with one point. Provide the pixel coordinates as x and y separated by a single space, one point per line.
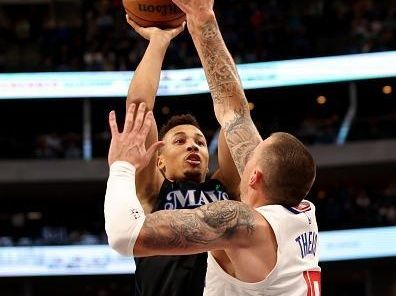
130 144
198 12
150 33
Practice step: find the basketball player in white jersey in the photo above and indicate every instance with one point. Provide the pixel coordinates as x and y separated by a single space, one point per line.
265 245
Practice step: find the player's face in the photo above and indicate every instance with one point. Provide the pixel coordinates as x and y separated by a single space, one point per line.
185 155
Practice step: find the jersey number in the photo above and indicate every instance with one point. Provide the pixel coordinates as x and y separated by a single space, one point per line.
312 278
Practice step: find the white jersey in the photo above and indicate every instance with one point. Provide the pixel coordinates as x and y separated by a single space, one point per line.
296 272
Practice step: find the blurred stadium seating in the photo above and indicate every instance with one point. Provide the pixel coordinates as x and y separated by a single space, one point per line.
92 35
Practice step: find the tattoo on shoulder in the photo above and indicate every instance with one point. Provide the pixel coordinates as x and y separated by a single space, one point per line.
187 228
228 216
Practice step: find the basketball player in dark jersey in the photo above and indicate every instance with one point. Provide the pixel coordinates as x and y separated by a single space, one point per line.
176 178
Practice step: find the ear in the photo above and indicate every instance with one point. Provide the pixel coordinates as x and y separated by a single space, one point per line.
161 163
255 179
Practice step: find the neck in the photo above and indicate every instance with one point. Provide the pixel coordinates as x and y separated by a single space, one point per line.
256 199
192 178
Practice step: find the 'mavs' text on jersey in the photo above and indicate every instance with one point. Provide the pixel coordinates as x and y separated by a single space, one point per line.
192 198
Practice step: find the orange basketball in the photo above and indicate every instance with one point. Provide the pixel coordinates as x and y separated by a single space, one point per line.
154 13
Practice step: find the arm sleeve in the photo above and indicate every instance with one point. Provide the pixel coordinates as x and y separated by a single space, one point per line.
124 215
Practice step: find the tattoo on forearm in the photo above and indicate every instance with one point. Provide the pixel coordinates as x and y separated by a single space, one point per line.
186 229
220 69
242 138
225 86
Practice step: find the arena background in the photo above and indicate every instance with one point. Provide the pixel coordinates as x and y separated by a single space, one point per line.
53 149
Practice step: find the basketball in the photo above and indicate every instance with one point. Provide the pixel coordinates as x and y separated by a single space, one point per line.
154 13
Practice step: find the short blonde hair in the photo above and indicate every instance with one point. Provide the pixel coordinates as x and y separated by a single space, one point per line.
289 169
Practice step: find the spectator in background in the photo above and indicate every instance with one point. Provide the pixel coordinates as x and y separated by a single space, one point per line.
48 146
72 146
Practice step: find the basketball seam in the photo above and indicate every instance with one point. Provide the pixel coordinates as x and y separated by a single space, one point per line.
151 21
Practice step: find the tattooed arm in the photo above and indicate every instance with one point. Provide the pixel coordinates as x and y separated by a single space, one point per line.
217 226
230 104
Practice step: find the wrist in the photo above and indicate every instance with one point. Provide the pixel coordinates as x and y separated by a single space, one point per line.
160 41
122 167
197 21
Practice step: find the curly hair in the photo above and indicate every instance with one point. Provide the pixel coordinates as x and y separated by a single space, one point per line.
175 121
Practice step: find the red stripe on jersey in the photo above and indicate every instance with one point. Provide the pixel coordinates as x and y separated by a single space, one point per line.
304 206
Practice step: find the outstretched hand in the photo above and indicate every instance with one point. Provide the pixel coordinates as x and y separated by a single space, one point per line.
194 6
197 12
154 32
129 145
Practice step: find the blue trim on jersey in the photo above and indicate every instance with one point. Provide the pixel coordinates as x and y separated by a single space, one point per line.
305 208
294 211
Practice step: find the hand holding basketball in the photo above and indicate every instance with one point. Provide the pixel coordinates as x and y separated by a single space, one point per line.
154 13
153 32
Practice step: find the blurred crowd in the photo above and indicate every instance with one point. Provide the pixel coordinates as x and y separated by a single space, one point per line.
311 129
353 206
54 236
53 145
93 35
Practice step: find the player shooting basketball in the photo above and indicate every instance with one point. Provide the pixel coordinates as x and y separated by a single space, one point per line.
176 177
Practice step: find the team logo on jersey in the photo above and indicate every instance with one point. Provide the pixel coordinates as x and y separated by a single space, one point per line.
192 198
135 214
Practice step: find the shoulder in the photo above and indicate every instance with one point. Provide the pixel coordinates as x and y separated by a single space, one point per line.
147 187
214 183
241 224
227 213
233 216
232 190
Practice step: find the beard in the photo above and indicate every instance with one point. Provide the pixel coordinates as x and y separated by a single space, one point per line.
193 175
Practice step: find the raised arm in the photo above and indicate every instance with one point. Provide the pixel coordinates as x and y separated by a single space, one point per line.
143 89
229 101
145 82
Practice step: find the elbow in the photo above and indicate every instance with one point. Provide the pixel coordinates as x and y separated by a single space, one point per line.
234 116
123 239
222 115
118 244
